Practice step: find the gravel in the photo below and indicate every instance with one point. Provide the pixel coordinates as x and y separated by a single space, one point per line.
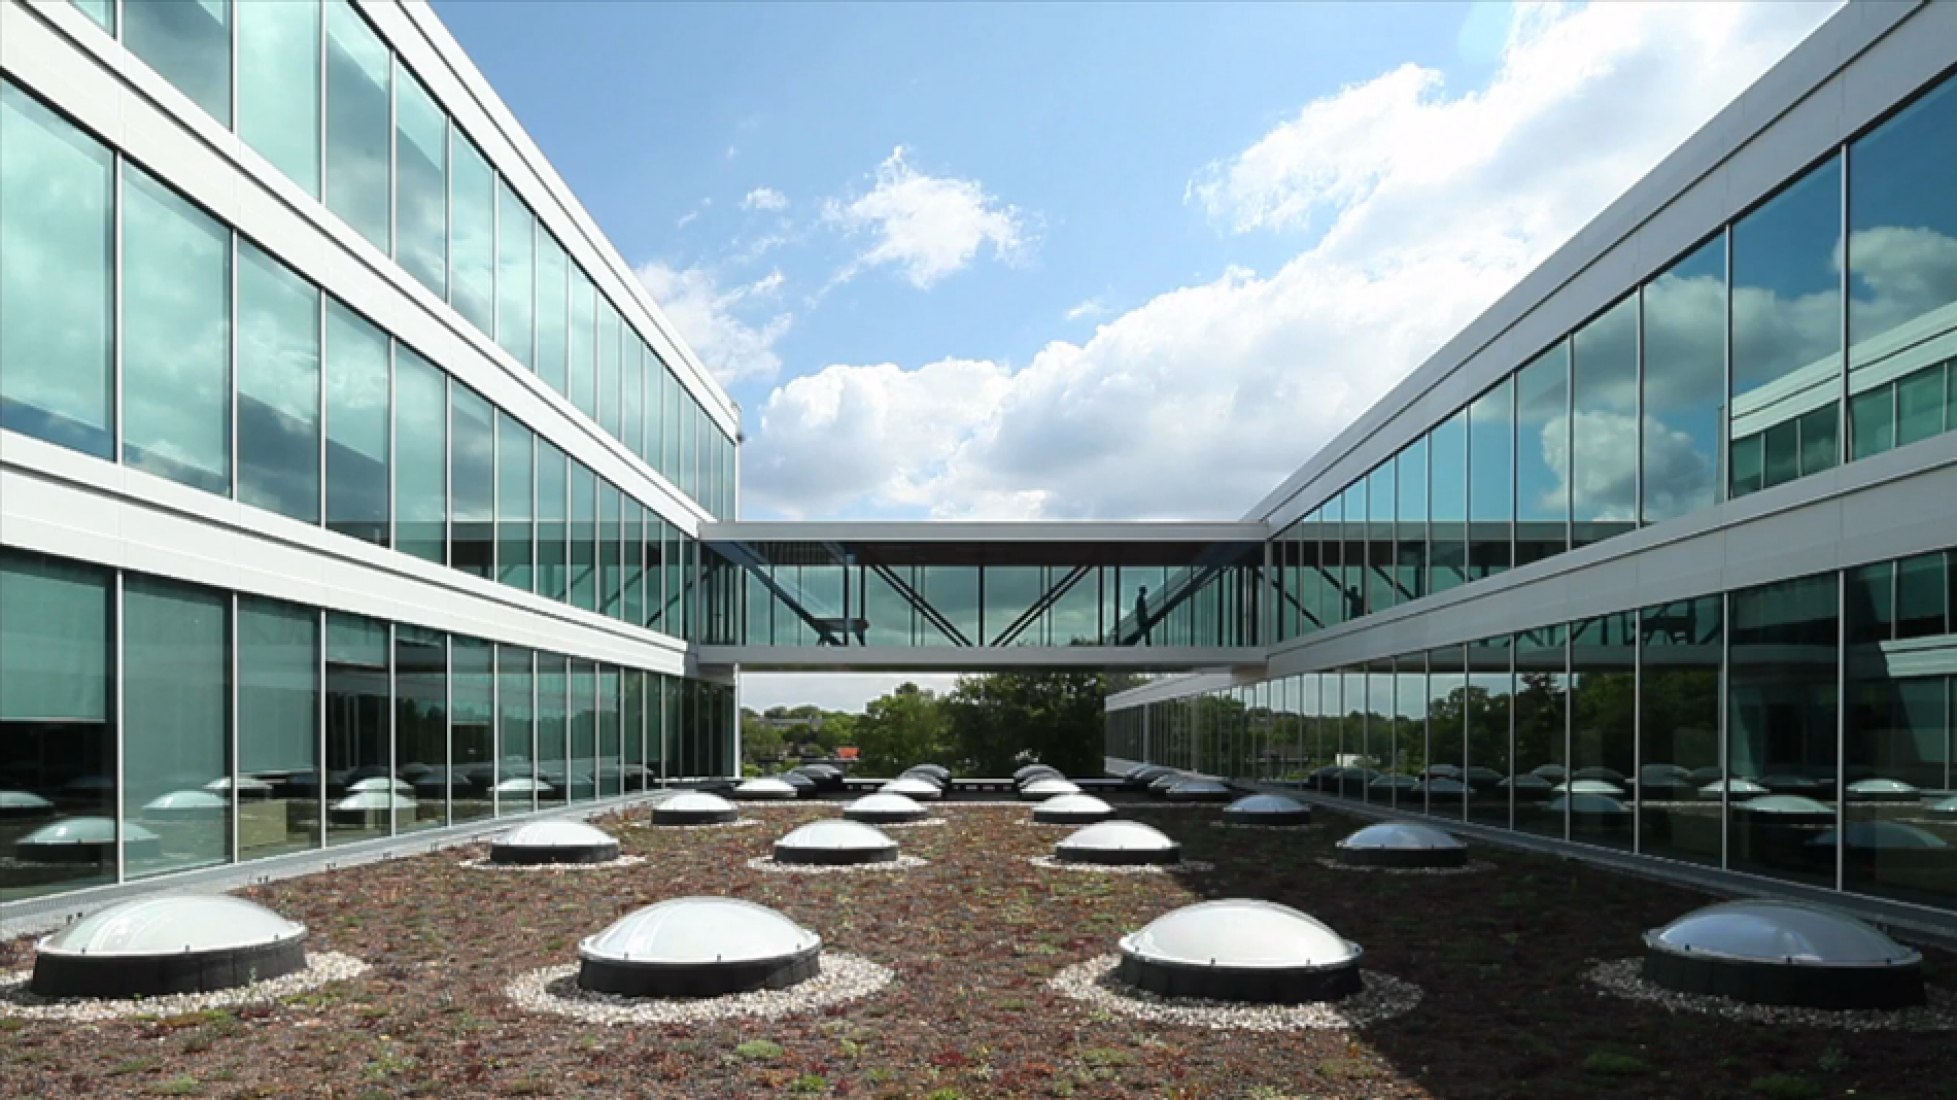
1187 866
483 864
1472 867
1382 997
554 989
737 823
321 968
768 864
927 823
1622 978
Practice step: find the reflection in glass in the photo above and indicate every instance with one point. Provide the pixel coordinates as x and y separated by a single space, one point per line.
176 662
516 731
1603 724
608 369
1603 474
472 234
1490 712
471 774
1542 457
584 345
278 728
553 523
421 435
553 303
56 198
1684 377
553 728
611 752
516 485
1448 501
1786 333
1382 553
420 182
1678 704
584 731
357 703
516 289
1782 715
632 384
1491 481
359 178
278 388
278 86
189 45
57 740
176 332
632 552
472 483
420 727
1902 289
584 537
1410 555
633 721
357 414
1541 724
611 593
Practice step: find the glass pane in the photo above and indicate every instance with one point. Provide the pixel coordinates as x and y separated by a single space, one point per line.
1922 597
552 325
1684 376
1491 473
278 86
472 235
632 395
471 776
102 11
633 726
1353 549
1604 431
584 339
610 593
278 388
57 742
515 485
1542 457
1872 421
611 753
1488 709
1382 492
1781 720
1902 228
1010 592
176 707
608 369
359 129
176 325
1410 568
420 727
357 702
657 385
1448 501
188 43
420 182
515 730
553 729
553 549
584 537
516 291
421 434
633 553
1787 317
1603 728
278 728
472 482
56 199
584 731
1678 700
1541 727
356 426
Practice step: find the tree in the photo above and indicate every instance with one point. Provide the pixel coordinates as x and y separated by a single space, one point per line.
760 741
900 729
1003 720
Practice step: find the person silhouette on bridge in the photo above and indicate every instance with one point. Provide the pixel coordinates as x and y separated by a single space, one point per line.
1141 614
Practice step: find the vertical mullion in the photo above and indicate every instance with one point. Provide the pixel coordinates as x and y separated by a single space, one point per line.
495 730
1843 449
236 472
120 811
1725 704
1637 712
116 298
1841 714
393 448
1724 490
448 728
231 719
319 737
393 709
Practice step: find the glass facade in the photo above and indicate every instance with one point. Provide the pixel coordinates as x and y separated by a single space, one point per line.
1656 729
256 727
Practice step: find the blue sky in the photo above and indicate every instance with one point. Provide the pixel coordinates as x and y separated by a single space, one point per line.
1071 261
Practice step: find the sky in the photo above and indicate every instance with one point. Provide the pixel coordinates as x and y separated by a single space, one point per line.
1088 261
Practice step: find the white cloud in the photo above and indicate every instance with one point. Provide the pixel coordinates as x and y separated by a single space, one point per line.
1426 206
764 198
1092 307
710 317
927 226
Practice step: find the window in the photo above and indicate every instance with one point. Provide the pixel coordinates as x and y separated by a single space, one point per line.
608 369
57 217
1489 708
553 728
472 234
420 183
516 289
1684 377
1782 707
1786 333
176 662
1382 587
1410 568
278 728
1542 457
552 321
471 773
421 746
516 730
1678 707
472 483
421 434
1542 732
278 388
357 426
1448 501
102 11
57 737
611 750
1491 474
357 704
583 712
632 387
1603 725
553 519
611 593
176 331
188 43
278 86
584 538
359 177
632 553
584 352
1603 473
516 486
